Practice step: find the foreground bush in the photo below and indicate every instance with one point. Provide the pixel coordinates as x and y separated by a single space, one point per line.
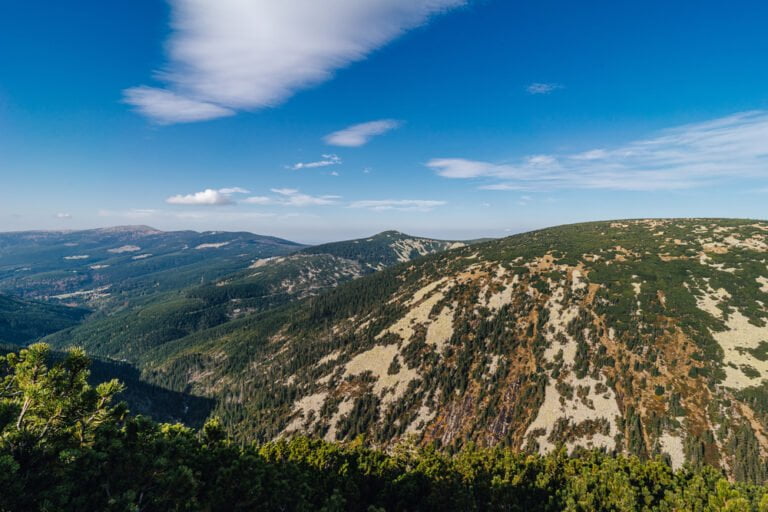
65 446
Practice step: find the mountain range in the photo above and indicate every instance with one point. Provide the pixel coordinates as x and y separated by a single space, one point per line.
644 337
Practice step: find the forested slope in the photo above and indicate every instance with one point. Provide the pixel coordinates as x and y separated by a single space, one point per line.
643 337
66 446
24 321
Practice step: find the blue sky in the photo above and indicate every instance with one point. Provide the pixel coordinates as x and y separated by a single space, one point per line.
327 120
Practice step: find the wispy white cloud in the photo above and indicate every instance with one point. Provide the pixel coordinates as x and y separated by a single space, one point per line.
542 88
360 134
524 200
502 186
64 216
325 162
693 155
422 205
132 213
292 197
207 197
229 55
285 191
152 215
258 200
234 190
167 107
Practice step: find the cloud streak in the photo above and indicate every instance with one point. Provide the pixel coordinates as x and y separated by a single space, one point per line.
694 155
167 107
542 88
230 55
325 162
292 197
360 134
422 205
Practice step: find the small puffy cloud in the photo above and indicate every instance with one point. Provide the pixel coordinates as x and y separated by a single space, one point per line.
360 134
63 215
542 88
327 160
208 197
422 205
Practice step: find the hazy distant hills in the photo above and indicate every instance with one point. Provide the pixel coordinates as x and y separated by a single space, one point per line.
144 289
644 337
108 268
265 284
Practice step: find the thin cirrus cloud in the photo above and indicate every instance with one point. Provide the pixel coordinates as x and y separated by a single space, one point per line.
207 197
360 134
422 205
719 151
167 107
325 162
542 88
292 197
230 55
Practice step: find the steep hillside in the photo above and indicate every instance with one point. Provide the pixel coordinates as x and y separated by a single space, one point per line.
23 321
384 249
265 284
113 267
142 398
643 337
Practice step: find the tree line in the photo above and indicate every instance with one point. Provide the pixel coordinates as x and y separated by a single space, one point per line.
66 445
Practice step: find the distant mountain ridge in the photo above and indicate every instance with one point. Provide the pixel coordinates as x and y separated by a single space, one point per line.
110 267
384 249
266 283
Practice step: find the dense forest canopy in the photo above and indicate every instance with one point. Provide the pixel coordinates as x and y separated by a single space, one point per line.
65 445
